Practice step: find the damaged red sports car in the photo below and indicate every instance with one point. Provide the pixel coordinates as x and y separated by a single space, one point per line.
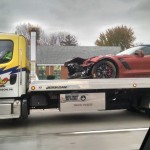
133 62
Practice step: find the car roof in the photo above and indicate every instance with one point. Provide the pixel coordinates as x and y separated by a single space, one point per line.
145 45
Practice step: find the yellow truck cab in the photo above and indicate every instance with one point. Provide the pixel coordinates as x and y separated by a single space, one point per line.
14 70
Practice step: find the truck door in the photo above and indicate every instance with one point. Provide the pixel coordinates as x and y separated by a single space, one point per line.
9 66
23 66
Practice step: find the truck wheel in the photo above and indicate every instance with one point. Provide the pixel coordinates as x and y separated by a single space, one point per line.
147 111
24 109
104 69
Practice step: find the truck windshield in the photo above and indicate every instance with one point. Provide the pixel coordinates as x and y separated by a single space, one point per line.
6 51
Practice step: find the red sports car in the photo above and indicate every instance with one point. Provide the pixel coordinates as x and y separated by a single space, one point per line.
133 62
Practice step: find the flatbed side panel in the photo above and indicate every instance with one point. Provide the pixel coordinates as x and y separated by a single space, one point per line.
82 102
89 84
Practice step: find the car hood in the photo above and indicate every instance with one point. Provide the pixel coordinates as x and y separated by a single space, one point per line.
100 57
94 59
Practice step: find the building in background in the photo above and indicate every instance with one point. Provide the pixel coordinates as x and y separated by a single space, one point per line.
50 59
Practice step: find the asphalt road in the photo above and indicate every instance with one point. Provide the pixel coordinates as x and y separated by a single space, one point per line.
52 130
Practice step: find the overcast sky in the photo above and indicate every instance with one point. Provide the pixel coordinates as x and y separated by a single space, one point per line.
83 18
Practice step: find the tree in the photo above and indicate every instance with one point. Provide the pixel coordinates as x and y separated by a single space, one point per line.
25 29
69 40
57 38
62 39
118 36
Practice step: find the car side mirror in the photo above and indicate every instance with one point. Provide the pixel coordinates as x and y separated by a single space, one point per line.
139 53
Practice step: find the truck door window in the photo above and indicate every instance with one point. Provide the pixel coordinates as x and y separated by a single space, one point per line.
6 51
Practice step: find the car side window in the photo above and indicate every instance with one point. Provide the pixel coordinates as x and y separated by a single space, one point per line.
146 50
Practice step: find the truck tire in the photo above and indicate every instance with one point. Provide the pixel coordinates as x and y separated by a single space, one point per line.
132 109
24 109
147 111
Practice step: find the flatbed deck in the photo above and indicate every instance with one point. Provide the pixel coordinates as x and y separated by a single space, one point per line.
89 84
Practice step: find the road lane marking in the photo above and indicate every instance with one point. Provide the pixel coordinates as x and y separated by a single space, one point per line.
104 131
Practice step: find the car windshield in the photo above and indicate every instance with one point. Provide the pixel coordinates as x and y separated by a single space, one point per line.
6 51
130 51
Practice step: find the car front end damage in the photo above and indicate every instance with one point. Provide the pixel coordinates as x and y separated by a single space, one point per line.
79 68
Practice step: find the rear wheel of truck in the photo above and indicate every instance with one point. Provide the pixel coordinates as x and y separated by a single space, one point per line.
147 111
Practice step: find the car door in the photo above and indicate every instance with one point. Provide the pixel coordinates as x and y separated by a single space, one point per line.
139 65
145 63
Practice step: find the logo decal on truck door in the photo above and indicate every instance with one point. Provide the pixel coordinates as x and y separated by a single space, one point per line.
3 81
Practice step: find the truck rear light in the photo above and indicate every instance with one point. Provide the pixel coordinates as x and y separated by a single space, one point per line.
134 85
32 88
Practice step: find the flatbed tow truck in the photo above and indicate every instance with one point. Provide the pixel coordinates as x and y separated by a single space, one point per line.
21 91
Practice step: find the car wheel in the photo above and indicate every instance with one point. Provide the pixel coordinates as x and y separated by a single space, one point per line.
104 69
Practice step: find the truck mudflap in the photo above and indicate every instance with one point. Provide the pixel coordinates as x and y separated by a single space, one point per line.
82 102
9 108
24 109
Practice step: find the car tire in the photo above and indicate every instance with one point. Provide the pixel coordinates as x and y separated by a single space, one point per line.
104 69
